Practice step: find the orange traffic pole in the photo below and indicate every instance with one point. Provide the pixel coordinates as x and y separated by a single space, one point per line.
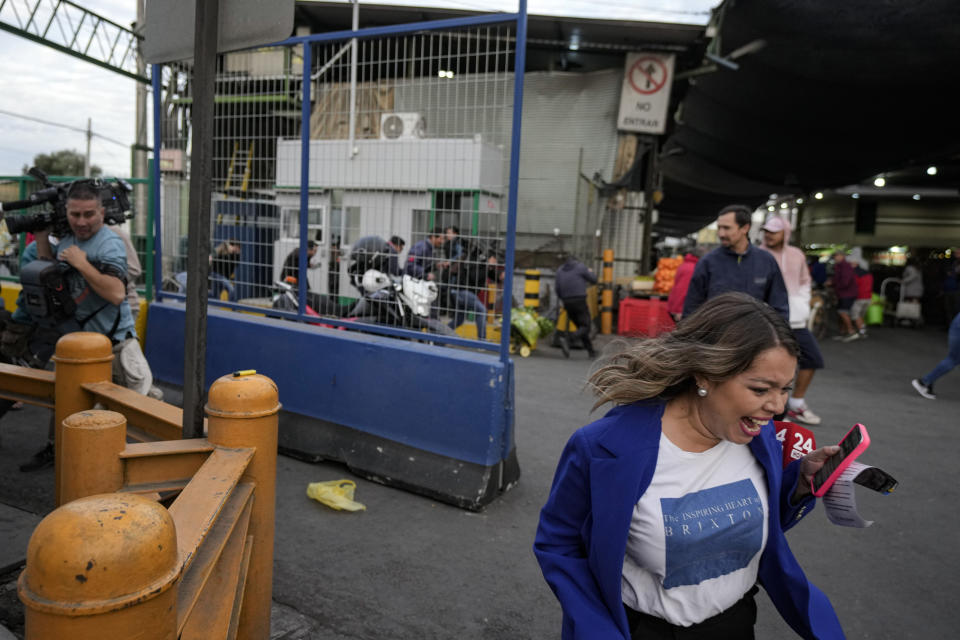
606 294
80 357
242 413
91 443
104 566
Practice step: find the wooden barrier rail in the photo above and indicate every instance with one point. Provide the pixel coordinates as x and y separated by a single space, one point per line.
112 561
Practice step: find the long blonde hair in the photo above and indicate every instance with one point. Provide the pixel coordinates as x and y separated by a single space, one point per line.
718 341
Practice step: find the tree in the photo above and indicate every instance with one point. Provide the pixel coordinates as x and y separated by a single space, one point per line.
66 162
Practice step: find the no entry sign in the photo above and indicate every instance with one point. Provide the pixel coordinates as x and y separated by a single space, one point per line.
645 95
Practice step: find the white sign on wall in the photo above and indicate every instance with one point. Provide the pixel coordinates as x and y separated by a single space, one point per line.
645 95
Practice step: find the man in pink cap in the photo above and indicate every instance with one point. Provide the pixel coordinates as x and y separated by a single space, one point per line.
796 276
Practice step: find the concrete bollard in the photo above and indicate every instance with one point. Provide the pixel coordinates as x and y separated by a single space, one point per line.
103 566
80 357
606 294
91 444
242 412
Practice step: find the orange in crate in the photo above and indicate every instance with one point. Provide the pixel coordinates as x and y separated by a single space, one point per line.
643 317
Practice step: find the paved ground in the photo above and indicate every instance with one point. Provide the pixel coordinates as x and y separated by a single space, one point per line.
411 568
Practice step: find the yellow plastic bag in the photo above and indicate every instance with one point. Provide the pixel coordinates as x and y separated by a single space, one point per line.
336 494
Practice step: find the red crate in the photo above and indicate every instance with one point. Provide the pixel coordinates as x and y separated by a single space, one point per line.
643 317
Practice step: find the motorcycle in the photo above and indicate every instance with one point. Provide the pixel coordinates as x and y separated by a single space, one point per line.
397 301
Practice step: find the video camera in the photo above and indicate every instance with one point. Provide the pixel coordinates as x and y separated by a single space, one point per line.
113 195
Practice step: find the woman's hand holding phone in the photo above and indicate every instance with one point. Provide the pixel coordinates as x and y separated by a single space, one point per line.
809 465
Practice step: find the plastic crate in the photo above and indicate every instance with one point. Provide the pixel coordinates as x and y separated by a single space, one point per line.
643 317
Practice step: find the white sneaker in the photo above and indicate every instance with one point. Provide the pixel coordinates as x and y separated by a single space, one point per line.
922 389
803 415
851 337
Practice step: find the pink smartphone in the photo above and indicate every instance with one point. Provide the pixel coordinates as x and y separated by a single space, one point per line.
853 444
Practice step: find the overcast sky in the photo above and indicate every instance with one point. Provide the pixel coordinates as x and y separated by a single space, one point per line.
40 82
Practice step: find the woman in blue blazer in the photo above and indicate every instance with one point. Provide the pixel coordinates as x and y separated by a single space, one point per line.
665 513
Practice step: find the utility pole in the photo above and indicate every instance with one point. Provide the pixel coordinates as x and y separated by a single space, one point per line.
86 158
198 250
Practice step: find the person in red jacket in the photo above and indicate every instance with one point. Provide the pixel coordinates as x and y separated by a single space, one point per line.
864 295
681 281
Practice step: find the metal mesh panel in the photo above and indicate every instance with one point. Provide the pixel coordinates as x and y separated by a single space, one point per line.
425 148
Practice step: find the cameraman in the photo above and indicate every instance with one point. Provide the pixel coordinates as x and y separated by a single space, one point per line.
97 282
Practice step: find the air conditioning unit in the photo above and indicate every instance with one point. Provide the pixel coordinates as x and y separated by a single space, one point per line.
402 126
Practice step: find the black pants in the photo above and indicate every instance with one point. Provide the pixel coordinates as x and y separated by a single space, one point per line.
736 623
579 313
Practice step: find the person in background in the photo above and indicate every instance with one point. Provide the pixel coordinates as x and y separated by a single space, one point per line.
858 312
951 289
844 282
737 265
291 265
573 277
134 269
667 512
396 244
818 271
223 263
420 261
796 277
912 281
924 384
682 280
465 274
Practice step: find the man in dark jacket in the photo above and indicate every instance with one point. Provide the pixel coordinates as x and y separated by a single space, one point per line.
420 261
572 279
736 265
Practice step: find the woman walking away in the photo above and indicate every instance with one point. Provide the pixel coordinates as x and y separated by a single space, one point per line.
665 513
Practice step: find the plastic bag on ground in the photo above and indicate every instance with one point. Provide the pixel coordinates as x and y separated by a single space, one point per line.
336 494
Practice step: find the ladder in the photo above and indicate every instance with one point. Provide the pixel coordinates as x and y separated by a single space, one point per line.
240 160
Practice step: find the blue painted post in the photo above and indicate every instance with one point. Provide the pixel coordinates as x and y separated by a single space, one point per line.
520 61
304 178
156 72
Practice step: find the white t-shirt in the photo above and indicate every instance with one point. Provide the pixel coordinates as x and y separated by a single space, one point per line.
697 533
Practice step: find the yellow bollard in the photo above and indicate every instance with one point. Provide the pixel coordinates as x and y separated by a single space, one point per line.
103 566
91 444
531 288
80 357
242 412
606 294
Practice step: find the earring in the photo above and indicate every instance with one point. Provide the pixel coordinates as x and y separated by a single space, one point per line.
701 392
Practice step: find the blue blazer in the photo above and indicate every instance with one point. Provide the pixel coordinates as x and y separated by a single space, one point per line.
582 537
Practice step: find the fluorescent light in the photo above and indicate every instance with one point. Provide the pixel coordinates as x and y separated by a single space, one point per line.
854 195
916 196
574 43
931 171
799 200
443 73
818 195
879 181
771 208
783 205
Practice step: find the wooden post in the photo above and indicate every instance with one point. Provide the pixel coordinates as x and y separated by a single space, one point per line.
242 412
104 566
80 357
606 294
91 444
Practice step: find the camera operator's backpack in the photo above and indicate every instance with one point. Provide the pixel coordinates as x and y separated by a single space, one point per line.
46 295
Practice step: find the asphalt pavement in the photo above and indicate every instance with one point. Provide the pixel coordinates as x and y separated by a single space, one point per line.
412 568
